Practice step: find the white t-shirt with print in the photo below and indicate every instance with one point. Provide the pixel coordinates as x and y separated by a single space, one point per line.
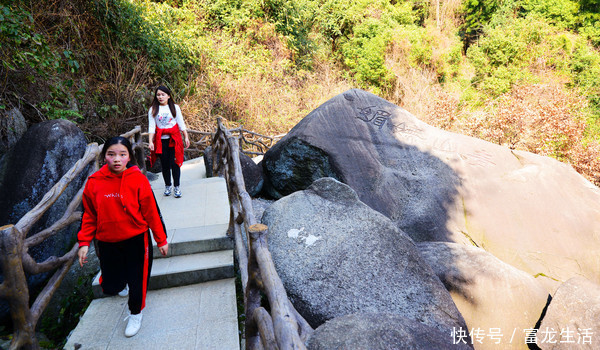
164 120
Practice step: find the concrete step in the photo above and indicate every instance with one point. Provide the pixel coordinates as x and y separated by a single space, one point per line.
192 240
195 317
182 270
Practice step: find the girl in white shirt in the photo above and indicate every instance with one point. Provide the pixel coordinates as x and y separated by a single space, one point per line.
165 125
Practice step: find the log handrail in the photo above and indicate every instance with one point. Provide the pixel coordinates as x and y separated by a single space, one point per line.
255 143
15 261
284 327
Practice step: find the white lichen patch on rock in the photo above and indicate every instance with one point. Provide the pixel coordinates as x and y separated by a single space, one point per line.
293 233
309 239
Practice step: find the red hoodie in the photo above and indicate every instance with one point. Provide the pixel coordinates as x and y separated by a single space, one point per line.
118 207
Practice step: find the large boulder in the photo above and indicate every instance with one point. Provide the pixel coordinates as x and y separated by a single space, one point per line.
381 331
34 165
337 256
532 212
488 292
572 320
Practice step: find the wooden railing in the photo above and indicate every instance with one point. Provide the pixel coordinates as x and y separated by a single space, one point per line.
254 143
284 327
16 263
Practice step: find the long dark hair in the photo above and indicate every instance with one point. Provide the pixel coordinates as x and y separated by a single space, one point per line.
156 104
125 142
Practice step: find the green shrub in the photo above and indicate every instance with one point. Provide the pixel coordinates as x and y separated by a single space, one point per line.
292 19
510 52
592 33
585 70
475 14
148 29
562 13
22 48
366 29
364 53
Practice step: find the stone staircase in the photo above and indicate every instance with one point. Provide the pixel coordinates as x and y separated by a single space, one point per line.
196 253
191 303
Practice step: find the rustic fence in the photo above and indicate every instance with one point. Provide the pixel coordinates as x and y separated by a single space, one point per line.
254 143
16 263
284 327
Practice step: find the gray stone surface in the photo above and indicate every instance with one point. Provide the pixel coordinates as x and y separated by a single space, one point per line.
337 256
381 331
12 127
192 240
186 269
259 205
572 320
441 186
253 175
488 292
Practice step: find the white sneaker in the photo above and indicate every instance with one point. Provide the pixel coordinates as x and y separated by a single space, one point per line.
167 191
124 292
133 325
177 192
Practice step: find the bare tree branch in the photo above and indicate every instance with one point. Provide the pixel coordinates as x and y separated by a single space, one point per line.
265 326
46 295
32 267
68 218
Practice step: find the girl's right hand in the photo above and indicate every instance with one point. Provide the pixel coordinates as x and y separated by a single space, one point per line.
151 145
164 249
82 253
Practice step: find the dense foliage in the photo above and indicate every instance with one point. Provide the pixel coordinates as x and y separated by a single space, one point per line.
522 73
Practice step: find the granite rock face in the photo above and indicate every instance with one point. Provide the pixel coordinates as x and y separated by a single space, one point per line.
381 331
336 256
572 320
489 293
441 186
12 127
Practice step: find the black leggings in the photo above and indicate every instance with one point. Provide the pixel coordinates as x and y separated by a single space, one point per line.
127 262
167 161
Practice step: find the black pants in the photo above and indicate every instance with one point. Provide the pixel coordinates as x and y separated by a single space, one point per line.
167 161
127 262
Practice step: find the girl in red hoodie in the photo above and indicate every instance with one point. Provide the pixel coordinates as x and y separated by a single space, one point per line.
119 208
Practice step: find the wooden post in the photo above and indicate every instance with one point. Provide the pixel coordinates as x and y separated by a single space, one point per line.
265 326
240 249
15 289
284 321
253 299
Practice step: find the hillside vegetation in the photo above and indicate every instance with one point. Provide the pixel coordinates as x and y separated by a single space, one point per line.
521 73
